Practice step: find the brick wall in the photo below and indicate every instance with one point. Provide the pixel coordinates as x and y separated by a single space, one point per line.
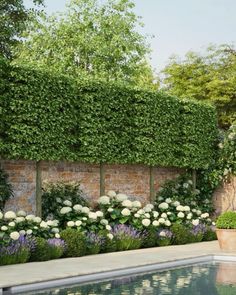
225 197
133 180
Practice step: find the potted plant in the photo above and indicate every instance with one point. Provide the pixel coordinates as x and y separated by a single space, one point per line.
226 231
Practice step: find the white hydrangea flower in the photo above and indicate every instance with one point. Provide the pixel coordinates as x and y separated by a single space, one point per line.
43 224
4 228
77 207
37 219
14 235
164 215
209 219
67 203
19 219
21 213
92 215
108 227
104 200
125 212
198 212
30 217
147 215
149 205
99 213
29 232
189 216
168 200
57 236
155 223
111 194
78 223
35 227
180 215
155 214
1 215
167 223
204 215
162 233
10 215
85 210
70 223
213 223
110 209
121 197
55 222
137 204
186 208
84 218
161 220
141 211
22 232
110 236
168 213
55 230
195 222
136 215
11 224
146 222
127 203
65 210
163 205
180 208
50 223
176 203
104 222
194 210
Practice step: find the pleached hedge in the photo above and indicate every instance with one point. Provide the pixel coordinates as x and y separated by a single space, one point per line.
49 117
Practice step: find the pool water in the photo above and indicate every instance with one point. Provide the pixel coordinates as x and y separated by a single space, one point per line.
207 279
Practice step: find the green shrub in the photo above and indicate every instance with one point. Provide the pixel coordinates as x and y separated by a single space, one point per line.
149 238
164 242
21 256
54 194
75 242
181 234
227 220
94 122
209 235
57 248
6 191
42 250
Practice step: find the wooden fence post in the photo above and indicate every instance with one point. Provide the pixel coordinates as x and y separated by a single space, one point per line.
38 189
102 179
194 177
151 183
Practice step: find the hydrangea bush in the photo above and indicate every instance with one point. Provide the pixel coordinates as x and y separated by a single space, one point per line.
116 223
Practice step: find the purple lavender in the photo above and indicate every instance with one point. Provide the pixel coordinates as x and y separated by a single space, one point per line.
121 230
164 234
94 239
15 247
57 243
199 229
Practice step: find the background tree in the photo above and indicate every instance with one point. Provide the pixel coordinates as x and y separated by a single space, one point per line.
90 38
210 77
13 16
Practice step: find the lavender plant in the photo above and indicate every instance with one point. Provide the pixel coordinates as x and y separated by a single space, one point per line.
94 242
57 247
17 251
126 237
164 237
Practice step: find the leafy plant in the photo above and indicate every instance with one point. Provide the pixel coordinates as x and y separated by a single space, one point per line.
41 251
180 234
55 194
126 237
65 119
75 242
149 238
94 243
57 247
6 191
226 220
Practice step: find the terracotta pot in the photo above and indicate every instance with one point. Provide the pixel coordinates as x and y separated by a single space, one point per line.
227 239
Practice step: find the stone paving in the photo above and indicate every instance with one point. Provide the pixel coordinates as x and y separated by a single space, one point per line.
20 274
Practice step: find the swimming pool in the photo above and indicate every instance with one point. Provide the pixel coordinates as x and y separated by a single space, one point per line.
210 278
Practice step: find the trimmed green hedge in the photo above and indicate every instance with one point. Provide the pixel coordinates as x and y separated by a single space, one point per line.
55 118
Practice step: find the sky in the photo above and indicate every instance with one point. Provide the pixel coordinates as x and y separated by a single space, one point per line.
179 25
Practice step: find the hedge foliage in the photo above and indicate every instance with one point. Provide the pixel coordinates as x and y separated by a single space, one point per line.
56 118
